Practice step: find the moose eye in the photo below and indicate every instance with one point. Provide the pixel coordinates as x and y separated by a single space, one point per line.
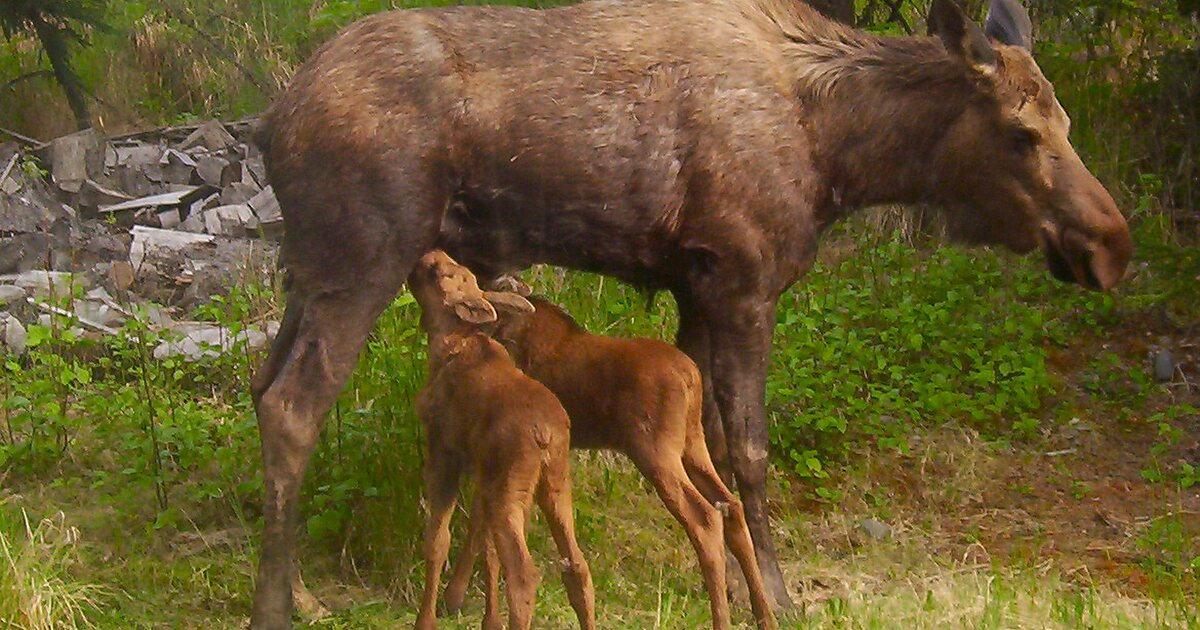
1023 140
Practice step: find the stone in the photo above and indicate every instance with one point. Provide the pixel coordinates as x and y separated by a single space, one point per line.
873 529
75 158
147 239
1164 366
42 283
13 334
10 293
121 275
201 339
210 135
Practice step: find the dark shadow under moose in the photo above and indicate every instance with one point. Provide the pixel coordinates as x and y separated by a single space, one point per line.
697 146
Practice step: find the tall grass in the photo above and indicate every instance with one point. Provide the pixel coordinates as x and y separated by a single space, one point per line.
37 591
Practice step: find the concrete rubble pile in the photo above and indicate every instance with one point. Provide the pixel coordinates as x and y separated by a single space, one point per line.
97 229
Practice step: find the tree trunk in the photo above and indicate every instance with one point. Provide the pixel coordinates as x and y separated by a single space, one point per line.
54 42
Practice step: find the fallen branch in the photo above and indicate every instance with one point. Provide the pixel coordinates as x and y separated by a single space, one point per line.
37 144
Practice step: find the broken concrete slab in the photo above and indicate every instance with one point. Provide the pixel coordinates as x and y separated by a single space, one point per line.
12 334
186 195
211 135
41 283
147 239
236 220
10 293
211 169
202 339
238 192
76 157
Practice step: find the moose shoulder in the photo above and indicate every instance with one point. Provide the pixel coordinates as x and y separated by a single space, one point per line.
699 146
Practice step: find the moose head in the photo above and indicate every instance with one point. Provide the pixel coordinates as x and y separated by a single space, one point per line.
1006 163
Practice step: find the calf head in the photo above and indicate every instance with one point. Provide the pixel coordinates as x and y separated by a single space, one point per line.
450 297
1006 167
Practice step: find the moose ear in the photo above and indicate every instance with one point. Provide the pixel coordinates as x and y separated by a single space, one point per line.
1008 23
963 38
508 301
474 310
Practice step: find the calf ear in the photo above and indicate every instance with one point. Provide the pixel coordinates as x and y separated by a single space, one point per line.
474 310
1008 23
508 301
963 38
510 283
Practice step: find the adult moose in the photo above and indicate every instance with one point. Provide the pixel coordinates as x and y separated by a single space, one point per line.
698 146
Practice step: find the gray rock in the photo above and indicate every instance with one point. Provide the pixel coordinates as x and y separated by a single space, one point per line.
12 334
211 135
10 293
200 339
873 529
44 283
1164 366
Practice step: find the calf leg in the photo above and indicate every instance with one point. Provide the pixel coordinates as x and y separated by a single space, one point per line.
741 341
456 589
554 499
703 525
507 510
703 474
491 587
441 490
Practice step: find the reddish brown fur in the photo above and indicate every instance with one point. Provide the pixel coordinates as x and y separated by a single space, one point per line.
641 397
700 146
483 415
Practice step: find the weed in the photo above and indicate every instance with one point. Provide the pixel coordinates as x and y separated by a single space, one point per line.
36 589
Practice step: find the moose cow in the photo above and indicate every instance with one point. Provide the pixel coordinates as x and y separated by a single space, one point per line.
697 146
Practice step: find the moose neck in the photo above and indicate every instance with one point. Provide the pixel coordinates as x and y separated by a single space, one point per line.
880 107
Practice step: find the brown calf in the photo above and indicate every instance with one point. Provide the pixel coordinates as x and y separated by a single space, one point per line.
641 397
480 411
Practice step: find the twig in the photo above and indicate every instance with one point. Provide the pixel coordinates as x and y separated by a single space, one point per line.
1065 451
25 77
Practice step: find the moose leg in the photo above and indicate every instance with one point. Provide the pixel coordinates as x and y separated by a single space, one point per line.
312 356
703 474
441 490
740 337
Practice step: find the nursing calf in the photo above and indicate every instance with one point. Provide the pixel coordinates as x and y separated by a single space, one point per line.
482 415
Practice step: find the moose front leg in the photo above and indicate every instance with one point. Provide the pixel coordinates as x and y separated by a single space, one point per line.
740 338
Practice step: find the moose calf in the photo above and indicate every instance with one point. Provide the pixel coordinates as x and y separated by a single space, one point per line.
641 397
479 410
